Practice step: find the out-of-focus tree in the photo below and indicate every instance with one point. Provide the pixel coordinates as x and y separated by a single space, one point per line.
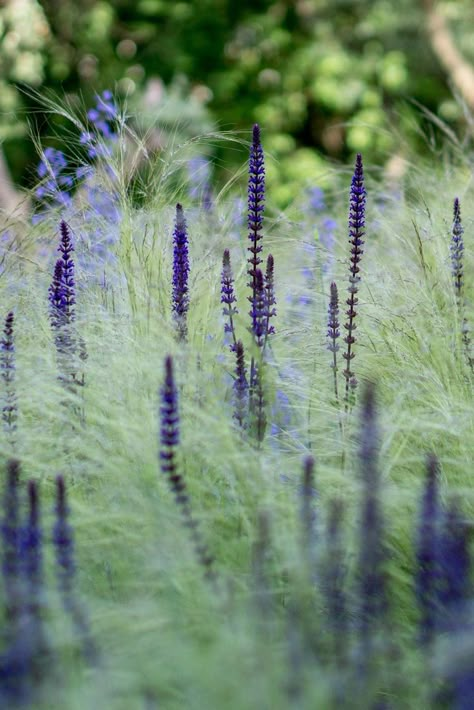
323 77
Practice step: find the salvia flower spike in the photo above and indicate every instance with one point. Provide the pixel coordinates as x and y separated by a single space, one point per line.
356 233
240 387
258 311
427 544
456 249
371 555
180 292
256 198
11 538
63 540
270 300
169 466
228 298
334 332
7 365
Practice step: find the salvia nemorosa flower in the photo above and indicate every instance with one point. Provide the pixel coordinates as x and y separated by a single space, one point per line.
11 546
454 569
180 294
257 402
333 331
270 300
427 551
7 366
334 577
62 292
356 232
228 298
32 570
457 250
169 436
457 268
258 311
63 541
256 197
308 514
240 386
371 553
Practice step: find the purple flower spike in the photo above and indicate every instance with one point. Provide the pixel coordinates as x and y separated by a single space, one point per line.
240 387
256 197
356 232
427 543
169 442
270 300
10 536
180 295
63 540
454 584
228 298
334 577
372 553
334 332
258 312
457 250
7 366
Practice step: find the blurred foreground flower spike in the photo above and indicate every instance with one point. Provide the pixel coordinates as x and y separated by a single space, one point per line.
7 365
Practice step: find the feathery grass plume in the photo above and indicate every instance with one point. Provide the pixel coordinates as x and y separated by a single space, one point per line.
256 198
228 298
240 387
427 544
180 294
372 593
63 541
168 453
334 332
7 365
456 249
356 232
334 576
270 300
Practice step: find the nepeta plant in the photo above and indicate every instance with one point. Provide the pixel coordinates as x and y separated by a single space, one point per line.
169 466
103 119
334 332
180 294
55 188
228 298
256 198
427 551
7 366
356 232
457 269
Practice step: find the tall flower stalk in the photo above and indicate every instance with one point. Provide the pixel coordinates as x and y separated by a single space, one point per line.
256 199
334 333
457 269
7 366
228 298
180 293
240 387
356 232
169 466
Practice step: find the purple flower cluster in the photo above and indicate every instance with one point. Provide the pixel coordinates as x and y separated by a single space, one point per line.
62 294
180 294
56 182
103 119
7 367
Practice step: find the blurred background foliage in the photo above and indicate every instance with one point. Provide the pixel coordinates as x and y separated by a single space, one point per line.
325 78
